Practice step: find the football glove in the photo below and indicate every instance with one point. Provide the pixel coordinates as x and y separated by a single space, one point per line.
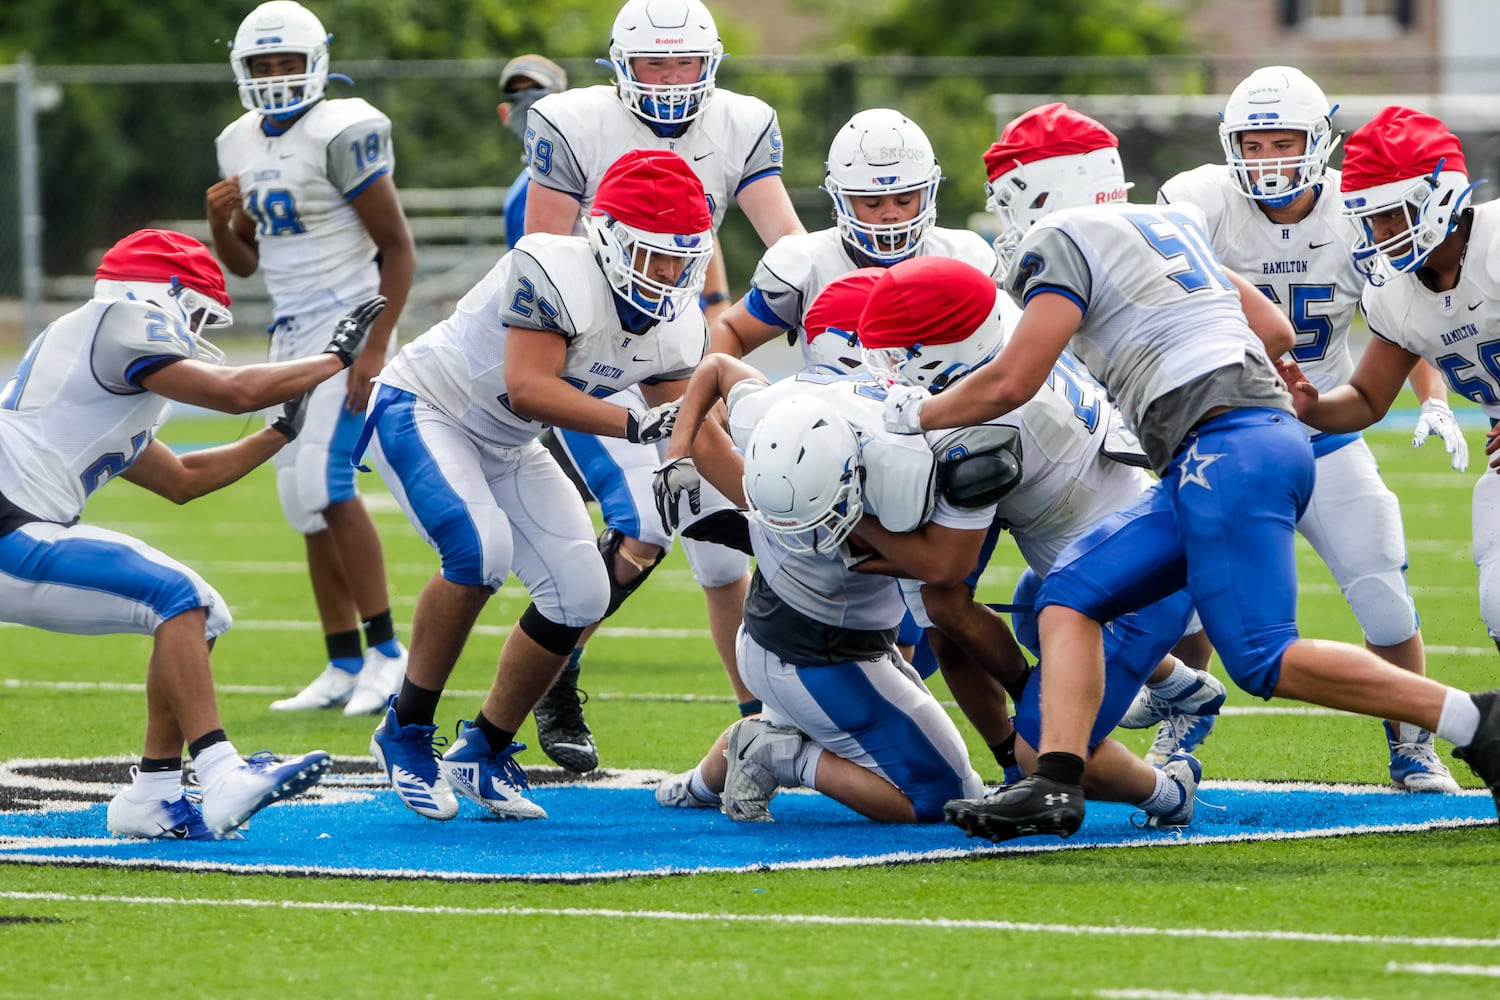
291 418
669 484
351 331
651 426
1436 417
903 409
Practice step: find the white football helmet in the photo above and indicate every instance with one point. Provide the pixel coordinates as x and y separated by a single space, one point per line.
1431 205
275 27
1278 98
1021 196
934 367
174 272
803 479
880 152
629 255
647 28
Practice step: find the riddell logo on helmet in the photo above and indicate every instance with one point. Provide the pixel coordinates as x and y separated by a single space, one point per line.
669 41
1105 197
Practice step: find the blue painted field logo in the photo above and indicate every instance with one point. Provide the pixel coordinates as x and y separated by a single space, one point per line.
351 825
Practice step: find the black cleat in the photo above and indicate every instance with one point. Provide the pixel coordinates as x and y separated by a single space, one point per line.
1483 752
1032 806
560 726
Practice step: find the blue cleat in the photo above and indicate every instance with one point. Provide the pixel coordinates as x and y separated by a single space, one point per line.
493 779
408 755
240 792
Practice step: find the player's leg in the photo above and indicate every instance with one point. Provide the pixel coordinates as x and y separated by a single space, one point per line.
1486 541
724 575
1354 523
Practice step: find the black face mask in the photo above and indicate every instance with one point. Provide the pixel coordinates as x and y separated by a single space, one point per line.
520 103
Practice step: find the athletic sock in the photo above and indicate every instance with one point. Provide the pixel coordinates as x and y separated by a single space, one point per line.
1178 681
498 738
344 651
416 705
1459 720
1166 798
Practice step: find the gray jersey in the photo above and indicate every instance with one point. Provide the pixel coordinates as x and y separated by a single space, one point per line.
800 265
575 136
1457 331
1159 315
75 414
550 283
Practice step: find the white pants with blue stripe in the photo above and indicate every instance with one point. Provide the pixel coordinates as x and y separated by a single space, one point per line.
876 713
85 580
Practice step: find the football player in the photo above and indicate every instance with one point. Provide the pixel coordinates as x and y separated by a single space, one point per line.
1184 348
307 199
84 407
665 55
524 81
1273 215
1406 184
558 327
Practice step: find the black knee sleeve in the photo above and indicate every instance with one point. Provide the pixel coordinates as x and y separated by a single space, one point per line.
552 637
610 541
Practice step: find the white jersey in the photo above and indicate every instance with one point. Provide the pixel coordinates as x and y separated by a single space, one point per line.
75 413
899 489
1457 331
800 265
297 186
551 283
576 135
1304 267
1158 312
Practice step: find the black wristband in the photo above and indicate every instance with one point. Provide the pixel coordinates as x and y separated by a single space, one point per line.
714 298
284 427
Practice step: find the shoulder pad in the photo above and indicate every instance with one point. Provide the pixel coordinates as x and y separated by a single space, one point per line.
1120 443
978 465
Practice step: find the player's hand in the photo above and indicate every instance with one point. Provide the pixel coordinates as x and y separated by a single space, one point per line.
1492 447
903 408
1304 393
349 335
671 481
653 425
291 418
361 381
222 200
1436 417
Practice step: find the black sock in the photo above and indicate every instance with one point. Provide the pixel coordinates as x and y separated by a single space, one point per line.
205 741
416 706
378 628
152 765
499 738
1063 768
1005 750
344 645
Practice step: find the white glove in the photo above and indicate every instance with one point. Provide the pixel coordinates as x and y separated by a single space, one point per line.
1437 418
903 409
669 484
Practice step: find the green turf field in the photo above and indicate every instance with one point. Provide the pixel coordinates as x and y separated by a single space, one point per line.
1370 916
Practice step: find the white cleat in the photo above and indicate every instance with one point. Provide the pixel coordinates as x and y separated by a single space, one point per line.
331 689
240 792
380 678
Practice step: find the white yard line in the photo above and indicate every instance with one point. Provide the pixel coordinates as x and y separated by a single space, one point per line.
1175 995
825 919
1434 969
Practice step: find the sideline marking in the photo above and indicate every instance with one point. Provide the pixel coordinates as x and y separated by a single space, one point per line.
1434 969
943 923
1176 995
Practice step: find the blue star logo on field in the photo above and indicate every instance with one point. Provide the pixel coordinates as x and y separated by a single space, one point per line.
1193 464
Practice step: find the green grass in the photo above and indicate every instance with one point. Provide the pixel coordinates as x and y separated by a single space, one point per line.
1257 898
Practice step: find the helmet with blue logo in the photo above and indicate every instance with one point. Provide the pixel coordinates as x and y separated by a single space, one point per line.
657 29
1281 99
280 26
882 152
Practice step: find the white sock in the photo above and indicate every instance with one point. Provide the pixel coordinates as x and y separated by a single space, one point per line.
698 788
1179 680
214 760
155 786
806 765
1166 798
1459 720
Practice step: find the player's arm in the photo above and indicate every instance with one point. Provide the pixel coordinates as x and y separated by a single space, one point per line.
181 478
710 446
769 209
534 361
1266 319
737 331
242 389
933 553
1365 399
1048 322
379 208
711 382
1427 382
549 210
230 229
715 285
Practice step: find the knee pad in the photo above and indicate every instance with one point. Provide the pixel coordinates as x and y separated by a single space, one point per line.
610 541
1383 607
554 638
714 565
303 519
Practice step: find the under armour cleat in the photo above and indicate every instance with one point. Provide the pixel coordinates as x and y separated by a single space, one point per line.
493 779
409 757
560 727
239 792
1415 765
1033 806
